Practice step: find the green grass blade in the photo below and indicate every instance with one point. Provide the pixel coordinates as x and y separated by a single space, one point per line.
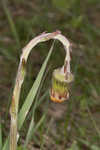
30 131
6 144
38 101
93 121
30 98
91 146
33 129
10 21
31 126
36 104
0 136
7 54
47 130
74 146
40 122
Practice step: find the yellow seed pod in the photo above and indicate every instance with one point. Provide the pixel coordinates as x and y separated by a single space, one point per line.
60 86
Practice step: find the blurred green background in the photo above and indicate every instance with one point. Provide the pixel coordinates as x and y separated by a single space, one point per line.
73 125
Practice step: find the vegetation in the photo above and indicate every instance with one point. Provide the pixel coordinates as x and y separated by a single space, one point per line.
73 124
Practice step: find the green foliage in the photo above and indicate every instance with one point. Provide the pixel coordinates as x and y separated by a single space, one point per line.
21 148
76 22
32 126
11 23
28 102
6 144
74 146
81 24
63 5
90 145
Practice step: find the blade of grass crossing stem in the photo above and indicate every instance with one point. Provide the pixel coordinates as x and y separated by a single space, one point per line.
30 98
37 96
0 136
38 100
41 99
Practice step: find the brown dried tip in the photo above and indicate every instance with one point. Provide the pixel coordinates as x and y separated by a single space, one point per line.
65 66
23 62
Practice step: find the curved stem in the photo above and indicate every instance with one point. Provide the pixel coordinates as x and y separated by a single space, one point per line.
21 75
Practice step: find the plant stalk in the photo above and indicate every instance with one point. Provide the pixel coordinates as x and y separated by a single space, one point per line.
21 75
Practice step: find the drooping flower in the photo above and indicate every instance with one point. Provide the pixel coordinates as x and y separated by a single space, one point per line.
61 79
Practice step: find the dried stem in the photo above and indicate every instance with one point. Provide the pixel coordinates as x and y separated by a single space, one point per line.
21 74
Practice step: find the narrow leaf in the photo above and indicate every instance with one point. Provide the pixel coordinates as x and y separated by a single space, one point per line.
32 130
30 98
10 21
91 146
32 124
6 144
